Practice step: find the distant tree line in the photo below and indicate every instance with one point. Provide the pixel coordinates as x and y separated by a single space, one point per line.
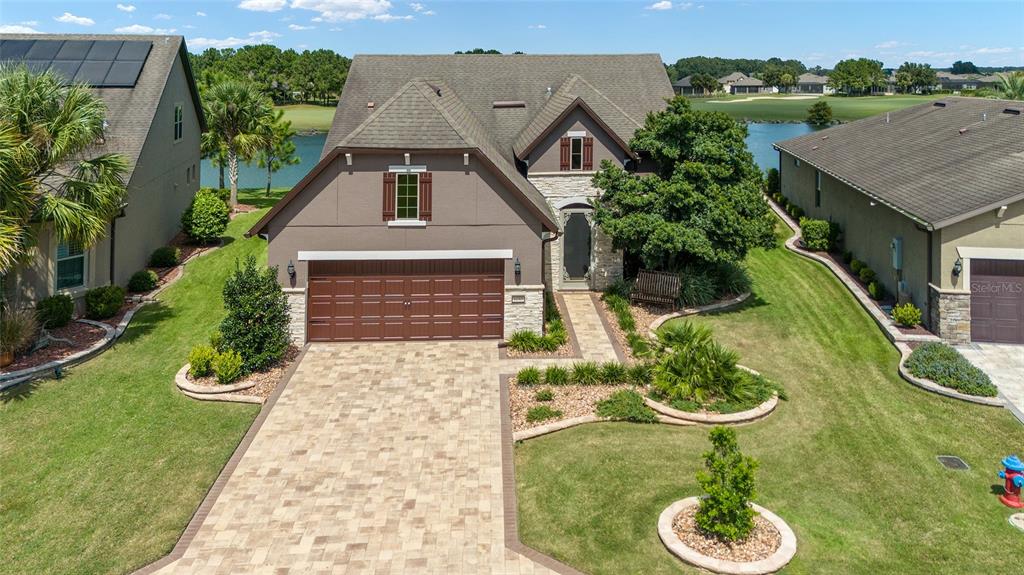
718 67
287 76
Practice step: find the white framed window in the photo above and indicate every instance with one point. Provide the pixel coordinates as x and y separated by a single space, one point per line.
407 196
576 153
70 266
179 122
796 162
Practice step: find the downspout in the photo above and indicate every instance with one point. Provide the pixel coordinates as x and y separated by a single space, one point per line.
113 241
554 236
928 284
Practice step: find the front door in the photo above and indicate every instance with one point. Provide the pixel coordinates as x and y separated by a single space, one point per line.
576 242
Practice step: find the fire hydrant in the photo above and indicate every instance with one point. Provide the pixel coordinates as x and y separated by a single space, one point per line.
1014 476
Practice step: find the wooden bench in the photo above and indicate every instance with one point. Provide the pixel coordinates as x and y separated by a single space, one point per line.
661 288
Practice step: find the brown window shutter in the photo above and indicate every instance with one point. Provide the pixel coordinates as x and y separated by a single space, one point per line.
588 154
389 196
563 161
426 196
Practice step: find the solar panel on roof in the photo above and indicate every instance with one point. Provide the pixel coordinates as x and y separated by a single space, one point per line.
66 69
104 50
134 50
93 73
44 49
123 74
14 49
74 50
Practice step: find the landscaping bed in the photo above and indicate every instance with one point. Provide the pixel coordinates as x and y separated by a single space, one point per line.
557 341
257 384
80 336
762 542
944 366
568 400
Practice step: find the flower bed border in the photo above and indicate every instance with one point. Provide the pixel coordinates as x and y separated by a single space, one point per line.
747 416
219 393
718 306
933 387
782 556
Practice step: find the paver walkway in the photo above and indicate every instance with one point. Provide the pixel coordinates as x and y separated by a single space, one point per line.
1004 364
590 333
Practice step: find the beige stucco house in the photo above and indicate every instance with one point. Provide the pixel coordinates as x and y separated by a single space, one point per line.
932 198
154 119
454 190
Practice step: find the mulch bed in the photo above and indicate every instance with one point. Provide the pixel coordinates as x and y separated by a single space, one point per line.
266 381
81 335
762 542
571 400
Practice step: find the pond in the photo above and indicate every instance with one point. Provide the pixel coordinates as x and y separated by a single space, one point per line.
759 140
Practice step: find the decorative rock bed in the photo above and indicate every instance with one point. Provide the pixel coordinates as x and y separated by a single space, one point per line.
214 392
781 545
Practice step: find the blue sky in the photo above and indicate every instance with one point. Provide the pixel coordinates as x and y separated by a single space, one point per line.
818 33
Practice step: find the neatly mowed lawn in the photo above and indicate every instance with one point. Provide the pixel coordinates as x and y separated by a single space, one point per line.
101 471
848 461
780 109
309 117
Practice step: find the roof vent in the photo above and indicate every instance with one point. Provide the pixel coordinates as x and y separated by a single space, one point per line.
939 104
962 131
509 104
369 105
1013 111
825 137
549 91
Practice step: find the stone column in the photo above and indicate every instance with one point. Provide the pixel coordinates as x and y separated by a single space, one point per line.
524 309
950 314
297 312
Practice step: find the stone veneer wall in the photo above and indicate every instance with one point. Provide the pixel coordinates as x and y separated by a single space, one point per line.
528 315
297 312
605 262
950 314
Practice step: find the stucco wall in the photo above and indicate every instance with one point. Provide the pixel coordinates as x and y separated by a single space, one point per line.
867 230
341 210
982 231
546 156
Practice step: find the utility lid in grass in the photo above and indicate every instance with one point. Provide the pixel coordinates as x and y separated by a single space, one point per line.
953 462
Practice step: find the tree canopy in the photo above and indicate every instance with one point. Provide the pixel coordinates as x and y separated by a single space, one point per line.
284 75
961 67
911 77
703 206
718 67
856 76
819 114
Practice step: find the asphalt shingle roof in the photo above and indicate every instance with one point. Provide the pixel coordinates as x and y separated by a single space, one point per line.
938 164
809 78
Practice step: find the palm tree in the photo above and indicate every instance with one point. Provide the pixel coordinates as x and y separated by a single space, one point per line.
1012 85
48 180
235 111
279 149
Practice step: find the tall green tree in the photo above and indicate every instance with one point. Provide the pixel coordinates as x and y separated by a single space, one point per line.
706 83
961 67
51 174
1012 85
235 112
911 77
703 206
857 76
819 114
278 148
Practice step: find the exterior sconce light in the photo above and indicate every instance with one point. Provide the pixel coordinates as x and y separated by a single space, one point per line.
465 159
407 159
958 267
518 268
291 269
348 159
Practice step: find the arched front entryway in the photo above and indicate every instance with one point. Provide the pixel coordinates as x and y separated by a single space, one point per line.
576 244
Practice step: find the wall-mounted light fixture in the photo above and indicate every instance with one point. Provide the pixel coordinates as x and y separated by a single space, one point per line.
465 159
1001 211
291 269
407 159
518 268
958 267
348 159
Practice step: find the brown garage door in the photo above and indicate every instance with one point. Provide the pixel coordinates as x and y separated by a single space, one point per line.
997 301
395 300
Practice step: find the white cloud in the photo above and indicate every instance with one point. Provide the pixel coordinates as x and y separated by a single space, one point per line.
263 36
889 44
537 27
202 14
229 42
298 27
33 23
162 16
140 29
189 27
126 7
391 17
345 10
662 5
686 6
17 29
69 18
262 5
421 9
1005 50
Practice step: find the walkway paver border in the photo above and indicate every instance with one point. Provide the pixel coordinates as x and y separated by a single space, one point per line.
566 321
606 323
783 555
189 534
208 393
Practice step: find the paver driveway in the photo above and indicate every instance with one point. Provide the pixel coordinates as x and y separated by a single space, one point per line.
376 458
1004 364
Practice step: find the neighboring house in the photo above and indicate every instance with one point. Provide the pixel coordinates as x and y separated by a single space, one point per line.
932 198
683 87
809 83
154 119
453 190
967 82
740 83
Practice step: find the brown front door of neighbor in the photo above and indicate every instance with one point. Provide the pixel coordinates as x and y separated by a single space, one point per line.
406 299
997 301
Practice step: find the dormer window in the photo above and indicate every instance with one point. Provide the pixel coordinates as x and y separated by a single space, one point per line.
576 153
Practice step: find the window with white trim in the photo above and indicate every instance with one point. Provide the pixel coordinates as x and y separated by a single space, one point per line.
576 153
179 122
407 199
70 266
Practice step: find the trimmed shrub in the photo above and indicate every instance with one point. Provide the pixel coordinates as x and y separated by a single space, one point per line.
206 218
613 373
907 315
847 257
856 265
544 395
728 485
103 302
556 375
217 340
222 194
876 290
541 413
795 211
200 360
227 366
257 315
528 376
165 257
866 275
772 182
55 311
585 373
143 280
626 405
697 287
945 366
819 235
18 329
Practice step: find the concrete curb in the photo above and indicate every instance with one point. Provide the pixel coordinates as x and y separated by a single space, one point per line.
782 556
936 388
652 330
753 414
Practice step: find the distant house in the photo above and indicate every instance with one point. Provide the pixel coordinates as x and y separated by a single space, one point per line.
809 83
966 82
154 118
683 86
931 198
740 83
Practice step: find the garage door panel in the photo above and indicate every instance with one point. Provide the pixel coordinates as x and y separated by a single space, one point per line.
392 308
320 309
420 287
997 301
492 307
442 308
493 286
370 287
443 286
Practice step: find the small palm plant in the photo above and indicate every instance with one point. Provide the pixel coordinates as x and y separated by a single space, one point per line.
1012 85
692 366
